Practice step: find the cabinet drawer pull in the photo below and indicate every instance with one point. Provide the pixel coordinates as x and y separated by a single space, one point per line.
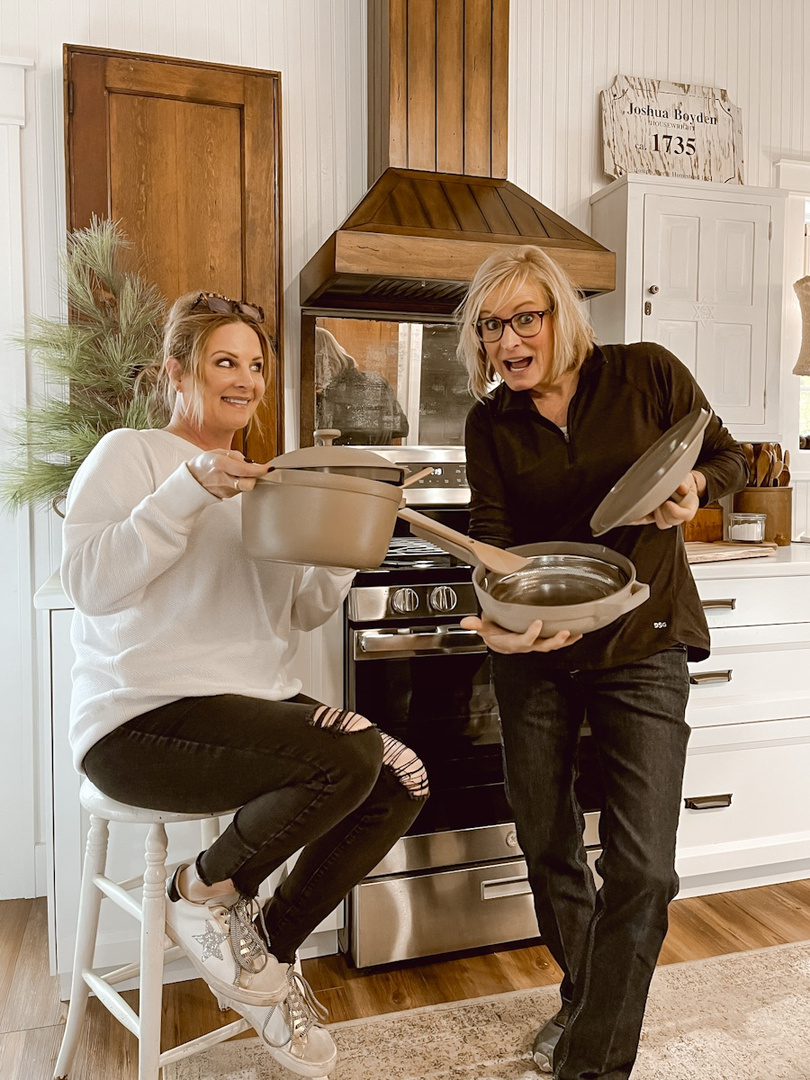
492 890
727 605
708 802
705 678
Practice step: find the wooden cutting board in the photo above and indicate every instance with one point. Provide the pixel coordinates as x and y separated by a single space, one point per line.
699 552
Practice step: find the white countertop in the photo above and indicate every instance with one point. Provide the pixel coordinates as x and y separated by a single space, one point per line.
791 560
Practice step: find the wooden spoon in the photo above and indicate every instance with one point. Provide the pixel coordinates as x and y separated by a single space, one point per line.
763 467
784 476
463 547
747 449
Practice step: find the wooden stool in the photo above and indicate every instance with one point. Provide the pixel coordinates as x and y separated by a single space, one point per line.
156 949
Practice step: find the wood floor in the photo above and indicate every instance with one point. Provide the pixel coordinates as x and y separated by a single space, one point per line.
32 1016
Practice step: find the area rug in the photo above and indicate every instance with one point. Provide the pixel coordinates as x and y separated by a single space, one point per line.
745 1016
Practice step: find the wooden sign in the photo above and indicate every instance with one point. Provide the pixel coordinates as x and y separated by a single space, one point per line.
671 129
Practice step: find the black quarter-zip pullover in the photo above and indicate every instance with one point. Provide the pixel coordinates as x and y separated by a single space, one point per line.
529 484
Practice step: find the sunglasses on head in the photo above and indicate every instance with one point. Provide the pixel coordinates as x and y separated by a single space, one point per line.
218 304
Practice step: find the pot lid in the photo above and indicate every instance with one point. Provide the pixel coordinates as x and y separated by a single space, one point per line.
652 479
324 457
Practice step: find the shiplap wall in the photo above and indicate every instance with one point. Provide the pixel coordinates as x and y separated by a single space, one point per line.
562 54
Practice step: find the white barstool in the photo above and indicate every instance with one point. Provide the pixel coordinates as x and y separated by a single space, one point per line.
156 949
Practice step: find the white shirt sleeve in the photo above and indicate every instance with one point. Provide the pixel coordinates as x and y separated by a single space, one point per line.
124 525
321 593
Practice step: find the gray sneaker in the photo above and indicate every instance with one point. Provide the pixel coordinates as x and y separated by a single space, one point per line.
545 1043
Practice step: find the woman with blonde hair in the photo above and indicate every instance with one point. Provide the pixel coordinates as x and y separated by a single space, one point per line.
558 419
183 694
361 405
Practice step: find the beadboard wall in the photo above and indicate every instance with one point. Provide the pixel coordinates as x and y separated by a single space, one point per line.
562 54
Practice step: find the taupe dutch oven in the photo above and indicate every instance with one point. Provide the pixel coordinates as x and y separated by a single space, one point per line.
325 506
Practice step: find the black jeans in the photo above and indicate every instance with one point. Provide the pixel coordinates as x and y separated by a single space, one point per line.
606 943
295 784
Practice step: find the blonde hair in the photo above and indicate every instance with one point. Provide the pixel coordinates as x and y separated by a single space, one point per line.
185 337
514 267
330 357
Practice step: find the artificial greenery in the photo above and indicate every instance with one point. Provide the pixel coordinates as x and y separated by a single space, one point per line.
105 359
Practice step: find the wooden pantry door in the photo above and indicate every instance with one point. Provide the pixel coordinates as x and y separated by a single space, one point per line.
187 156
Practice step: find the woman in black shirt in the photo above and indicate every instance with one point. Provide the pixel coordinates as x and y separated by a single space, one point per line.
557 421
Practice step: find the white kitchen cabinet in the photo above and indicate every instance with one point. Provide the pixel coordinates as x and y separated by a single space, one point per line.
699 270
746 816
118 933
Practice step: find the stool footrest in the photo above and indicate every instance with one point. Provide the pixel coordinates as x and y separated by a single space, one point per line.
204 1042
131 971
118 895
113 1001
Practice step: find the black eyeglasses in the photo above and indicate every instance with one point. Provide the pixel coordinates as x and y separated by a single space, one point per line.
218 304
524 323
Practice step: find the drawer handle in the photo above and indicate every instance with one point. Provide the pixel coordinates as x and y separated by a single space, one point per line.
708 802
727 605
493 890
701 678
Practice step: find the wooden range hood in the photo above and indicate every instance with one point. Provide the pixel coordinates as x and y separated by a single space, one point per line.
438 93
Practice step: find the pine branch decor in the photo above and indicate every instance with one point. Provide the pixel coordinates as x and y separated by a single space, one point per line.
107 359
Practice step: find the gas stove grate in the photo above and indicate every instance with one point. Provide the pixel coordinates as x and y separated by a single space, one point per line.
404 547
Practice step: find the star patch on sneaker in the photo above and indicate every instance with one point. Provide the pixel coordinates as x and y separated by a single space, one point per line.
211 941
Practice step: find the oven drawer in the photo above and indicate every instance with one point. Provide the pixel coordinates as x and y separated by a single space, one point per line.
463 847
747 601
745 797
403 917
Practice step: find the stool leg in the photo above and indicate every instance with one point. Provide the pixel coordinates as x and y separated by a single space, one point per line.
209 831
152 940
95 858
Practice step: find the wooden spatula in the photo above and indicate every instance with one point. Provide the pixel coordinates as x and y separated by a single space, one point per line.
763 467
462 546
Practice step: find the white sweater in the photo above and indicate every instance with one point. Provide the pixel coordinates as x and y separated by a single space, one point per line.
168 605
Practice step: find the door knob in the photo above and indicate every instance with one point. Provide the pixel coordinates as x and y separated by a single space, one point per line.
653 289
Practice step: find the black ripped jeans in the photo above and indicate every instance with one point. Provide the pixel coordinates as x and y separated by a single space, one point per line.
296 786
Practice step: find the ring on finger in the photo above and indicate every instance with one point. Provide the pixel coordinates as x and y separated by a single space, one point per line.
236 484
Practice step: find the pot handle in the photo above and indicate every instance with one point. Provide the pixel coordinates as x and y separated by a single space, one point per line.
639 593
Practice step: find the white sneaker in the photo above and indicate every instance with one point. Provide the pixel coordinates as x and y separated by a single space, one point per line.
225 947
290 1031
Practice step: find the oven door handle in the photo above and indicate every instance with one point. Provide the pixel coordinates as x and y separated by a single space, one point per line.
448 639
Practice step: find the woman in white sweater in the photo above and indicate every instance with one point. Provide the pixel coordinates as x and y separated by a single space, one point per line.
182 694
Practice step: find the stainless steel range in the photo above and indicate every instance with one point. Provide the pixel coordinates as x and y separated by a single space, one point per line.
458 879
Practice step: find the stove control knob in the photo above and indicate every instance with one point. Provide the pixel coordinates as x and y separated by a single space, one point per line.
443 598
404 601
